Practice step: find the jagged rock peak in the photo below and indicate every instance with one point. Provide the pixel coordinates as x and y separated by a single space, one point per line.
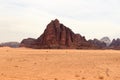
55 22
56 35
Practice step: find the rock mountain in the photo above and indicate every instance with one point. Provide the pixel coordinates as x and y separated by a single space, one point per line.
57 36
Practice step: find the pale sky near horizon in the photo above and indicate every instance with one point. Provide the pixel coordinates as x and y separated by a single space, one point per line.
21 19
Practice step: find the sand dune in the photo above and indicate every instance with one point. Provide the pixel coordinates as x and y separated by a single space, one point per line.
29 64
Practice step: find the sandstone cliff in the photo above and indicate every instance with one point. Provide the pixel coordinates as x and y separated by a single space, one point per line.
57 36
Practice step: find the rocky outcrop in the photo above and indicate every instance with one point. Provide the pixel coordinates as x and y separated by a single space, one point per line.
57 36
29 42
98 44
115 44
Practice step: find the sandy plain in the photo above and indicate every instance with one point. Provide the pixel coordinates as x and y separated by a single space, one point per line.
30 64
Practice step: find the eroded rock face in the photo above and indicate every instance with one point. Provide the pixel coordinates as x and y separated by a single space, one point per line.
115 44
57 36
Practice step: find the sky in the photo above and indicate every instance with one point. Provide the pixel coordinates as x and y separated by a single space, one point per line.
21 19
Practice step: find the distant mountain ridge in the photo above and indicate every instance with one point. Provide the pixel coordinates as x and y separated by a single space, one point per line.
58 36
106 40
115 44
10 44
98 44
106 43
